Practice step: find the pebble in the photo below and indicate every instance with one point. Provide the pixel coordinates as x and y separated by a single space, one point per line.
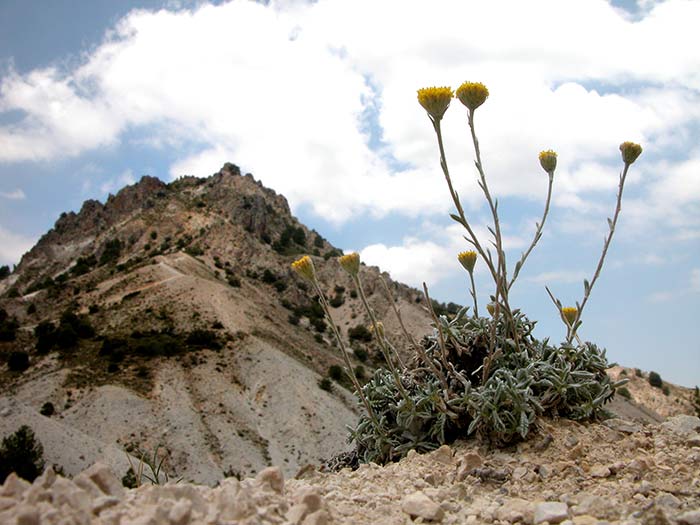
692 517
272 477
600 471
443 455
551 512
420 505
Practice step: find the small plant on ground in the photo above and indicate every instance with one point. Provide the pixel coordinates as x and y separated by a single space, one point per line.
481 371
655 380
156 474
21 453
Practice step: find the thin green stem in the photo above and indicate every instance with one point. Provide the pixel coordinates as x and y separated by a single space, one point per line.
538 234
412 342
462 218
606 245
380 339
473 291
351 373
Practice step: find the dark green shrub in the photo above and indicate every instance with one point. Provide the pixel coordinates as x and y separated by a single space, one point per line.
360 333
8 326
111 252
319 324
666 390
203 339
293 319
129 479
234 282
335 372
47 409
299 236
94 308
4 272
46 336
112 368
280 286
84 265
194 251
361 354
360 372
154 235
21 453
268 277
353 294
325 384
31 309
66 336
655 380
318 241
638 372
334 252
624 392
18 361
318 338
13 293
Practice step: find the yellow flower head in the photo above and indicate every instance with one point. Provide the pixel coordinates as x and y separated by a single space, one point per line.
548 161
468 260
491 307
630 152
472 94
305 268
570 313
435 100
380 328
350 263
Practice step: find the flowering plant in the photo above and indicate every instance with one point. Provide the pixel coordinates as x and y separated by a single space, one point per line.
484 375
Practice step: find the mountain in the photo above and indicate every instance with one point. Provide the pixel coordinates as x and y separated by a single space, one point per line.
169 317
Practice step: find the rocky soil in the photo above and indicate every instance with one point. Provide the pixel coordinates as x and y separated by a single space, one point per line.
615 472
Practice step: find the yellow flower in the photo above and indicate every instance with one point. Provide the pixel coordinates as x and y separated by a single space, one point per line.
350 263
548 161
435 100
570 313
305 268
630 152
472 94
468 260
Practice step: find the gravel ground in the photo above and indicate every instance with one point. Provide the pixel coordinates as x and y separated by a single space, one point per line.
616 472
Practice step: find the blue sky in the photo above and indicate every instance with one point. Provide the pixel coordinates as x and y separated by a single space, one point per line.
318 100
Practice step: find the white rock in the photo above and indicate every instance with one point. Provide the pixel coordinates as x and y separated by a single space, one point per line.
682 424
271 476
14 486
516 509
551 512
296 513
180 512
667 500
320 517
443 455
420 505
102 476
28 515
692 517
600 471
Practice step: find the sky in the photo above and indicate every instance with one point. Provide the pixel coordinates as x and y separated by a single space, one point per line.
318 101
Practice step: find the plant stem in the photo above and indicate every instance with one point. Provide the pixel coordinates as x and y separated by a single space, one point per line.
538 234
418 348
606 245
380 339
346 358
476 307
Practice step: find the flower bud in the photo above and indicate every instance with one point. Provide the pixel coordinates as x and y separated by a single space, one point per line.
380 328
570 313
630 152
467 259
305 268
491 307
435 100
472 94
548 161
350 263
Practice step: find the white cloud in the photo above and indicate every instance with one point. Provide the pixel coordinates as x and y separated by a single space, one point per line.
14 195
284 89
561 276
123 179
695 280
13 246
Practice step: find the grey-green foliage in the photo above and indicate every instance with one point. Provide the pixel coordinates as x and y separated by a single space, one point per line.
523 380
